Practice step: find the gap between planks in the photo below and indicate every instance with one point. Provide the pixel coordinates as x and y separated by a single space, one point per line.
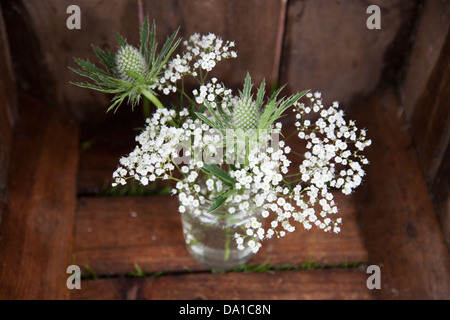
333 284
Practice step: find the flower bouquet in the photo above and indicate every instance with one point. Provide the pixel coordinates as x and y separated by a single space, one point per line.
226 151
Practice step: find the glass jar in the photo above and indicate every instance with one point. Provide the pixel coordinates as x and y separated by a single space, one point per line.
210 237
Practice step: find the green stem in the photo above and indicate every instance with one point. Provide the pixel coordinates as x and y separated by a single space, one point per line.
227 244
150 96
145 107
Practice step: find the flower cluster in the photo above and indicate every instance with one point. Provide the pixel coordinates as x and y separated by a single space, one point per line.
157 146
201 56
226 152
213 92
329 159
333 160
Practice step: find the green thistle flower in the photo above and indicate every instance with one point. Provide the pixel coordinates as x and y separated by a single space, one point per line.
247 118
246 114
130 61
131 72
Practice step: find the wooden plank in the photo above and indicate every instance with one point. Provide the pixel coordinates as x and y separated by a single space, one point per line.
252 24
441 196
7 109
45 23
331 284
398 221
113 234
328 47
429 39
30 70
425 92
37 227
99 19
103 143
430 122
430 129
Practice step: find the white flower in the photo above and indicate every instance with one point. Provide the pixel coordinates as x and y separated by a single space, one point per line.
262 185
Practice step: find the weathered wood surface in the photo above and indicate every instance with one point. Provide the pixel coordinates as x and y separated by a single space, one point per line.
327 45
430 129
57 45
398 221
7 109
329 48
337 284
102 145
431 34
37 228
114 234
425 92
430 123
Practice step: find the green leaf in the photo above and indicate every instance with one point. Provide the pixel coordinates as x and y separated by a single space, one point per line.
219 122
217 203
166 51
144 39
260 95
226 119
117 102
268 111
247 87
219 173
120 40
139 271
107 58
153 45
220 200
205 119
90 67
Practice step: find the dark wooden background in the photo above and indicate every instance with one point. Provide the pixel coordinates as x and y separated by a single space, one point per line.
321 45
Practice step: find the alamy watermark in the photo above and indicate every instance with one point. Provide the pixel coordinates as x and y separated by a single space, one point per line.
374 280
232 147
74 280
74 20
374 20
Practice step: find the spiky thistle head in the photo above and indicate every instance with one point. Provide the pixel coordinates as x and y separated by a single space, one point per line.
130 63
246 114
130 72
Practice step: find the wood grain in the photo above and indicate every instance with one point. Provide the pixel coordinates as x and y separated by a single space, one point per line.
7 109
430 128
252 24
328 47
333 284
398 220
37 227
57 45
103 143
430 36
424 94
113 234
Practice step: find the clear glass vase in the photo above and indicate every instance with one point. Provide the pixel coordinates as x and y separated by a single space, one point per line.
210 237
